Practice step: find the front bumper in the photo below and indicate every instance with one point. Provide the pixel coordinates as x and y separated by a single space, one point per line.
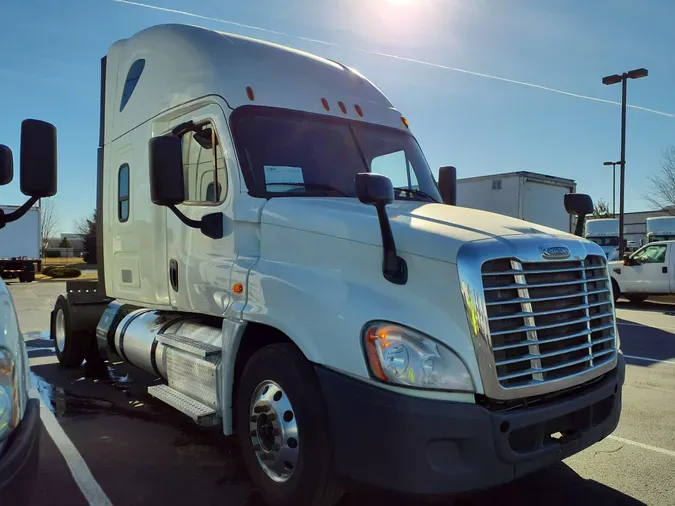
424 446
19 462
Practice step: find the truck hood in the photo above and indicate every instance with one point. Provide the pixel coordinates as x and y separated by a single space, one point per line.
434 231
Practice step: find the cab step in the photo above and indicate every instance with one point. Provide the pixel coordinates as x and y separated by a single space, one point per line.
200 413
199 348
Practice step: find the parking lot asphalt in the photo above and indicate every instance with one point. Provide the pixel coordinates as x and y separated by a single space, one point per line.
129 449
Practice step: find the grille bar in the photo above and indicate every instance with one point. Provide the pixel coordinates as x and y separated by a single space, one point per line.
544 299
516 286
548 320
554 353
527 328
554 339
549 312
533 371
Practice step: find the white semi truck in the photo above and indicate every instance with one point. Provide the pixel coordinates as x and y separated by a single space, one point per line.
20 245
660 228
532 197
344 328
20 414
605 233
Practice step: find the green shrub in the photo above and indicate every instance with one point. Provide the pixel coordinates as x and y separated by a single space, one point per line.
48 270
65 272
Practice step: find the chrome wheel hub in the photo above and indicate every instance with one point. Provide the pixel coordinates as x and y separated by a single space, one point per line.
274 431
60 330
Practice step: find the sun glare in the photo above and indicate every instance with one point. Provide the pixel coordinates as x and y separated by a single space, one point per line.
400 2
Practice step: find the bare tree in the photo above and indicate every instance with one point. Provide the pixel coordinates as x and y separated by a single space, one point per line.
661 193
601 210
49 218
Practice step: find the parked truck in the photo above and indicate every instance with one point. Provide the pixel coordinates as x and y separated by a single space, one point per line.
532 197
605 233
344 325
20 414
660 228
648 271
20 245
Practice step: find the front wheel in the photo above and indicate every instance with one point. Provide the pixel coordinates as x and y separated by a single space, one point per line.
616 292
637 299
69 350
282 428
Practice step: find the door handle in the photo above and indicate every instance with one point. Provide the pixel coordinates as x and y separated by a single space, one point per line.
664 270
173 274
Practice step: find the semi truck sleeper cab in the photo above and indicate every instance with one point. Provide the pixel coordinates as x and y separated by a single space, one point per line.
274 248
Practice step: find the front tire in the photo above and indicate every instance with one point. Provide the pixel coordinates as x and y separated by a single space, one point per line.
616 292
69 350
282 428
637 299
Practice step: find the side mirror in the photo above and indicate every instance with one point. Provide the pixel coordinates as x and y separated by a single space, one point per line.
377 190
6 165
38 158
627 260
167 187
580 205
447 185
374 189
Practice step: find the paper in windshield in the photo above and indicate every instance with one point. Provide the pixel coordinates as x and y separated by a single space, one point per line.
277 176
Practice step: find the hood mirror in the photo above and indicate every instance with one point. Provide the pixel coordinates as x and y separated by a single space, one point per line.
6 165
579 205
447 185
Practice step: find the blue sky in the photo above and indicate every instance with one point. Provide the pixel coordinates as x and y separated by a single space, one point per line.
49 69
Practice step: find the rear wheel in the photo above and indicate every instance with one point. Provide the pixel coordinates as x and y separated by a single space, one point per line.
27 276
282 428
69 350
637 299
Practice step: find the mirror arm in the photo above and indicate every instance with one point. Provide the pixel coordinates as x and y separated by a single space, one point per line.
18 213
211 225
394 268
579 228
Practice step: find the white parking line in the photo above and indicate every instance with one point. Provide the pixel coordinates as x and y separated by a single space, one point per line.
635 357
89 487
656 449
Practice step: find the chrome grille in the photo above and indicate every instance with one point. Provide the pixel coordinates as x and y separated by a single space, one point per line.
548 320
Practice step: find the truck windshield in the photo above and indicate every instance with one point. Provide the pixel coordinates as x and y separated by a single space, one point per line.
288 153
605 241
654 238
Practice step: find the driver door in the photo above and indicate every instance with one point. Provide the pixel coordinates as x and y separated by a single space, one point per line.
650 272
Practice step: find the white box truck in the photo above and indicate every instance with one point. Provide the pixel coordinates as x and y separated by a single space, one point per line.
344 325
20 245
528 196
660 228
605 233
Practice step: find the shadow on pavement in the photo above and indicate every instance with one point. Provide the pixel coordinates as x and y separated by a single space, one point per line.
642 340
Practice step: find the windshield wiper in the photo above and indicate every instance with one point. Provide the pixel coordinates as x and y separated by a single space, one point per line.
312 186
414 191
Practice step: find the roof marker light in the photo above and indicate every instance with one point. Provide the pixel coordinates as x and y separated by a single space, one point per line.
343 108
249 92
325 104
405 122
358 109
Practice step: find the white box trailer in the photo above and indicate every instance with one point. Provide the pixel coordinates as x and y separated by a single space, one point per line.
532 197
20 245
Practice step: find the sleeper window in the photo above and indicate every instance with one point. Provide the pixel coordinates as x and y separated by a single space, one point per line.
123 193
204 172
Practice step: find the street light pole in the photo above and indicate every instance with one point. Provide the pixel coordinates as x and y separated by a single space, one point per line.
613 164
614 79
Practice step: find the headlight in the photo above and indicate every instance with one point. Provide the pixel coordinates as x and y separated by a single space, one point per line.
9 395
403 356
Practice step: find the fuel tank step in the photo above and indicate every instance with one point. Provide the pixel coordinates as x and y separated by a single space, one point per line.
199 348
200 413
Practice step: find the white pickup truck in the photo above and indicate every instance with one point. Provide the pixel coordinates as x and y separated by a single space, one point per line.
648 271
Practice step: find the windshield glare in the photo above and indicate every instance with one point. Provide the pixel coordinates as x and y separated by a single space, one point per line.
286 153
605 241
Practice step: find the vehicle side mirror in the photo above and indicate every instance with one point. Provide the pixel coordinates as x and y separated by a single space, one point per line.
167 187
627 260
579 205
447 185
6 165
377 190
38 158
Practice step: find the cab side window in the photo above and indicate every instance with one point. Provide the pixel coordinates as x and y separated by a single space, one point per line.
655 254
204 171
